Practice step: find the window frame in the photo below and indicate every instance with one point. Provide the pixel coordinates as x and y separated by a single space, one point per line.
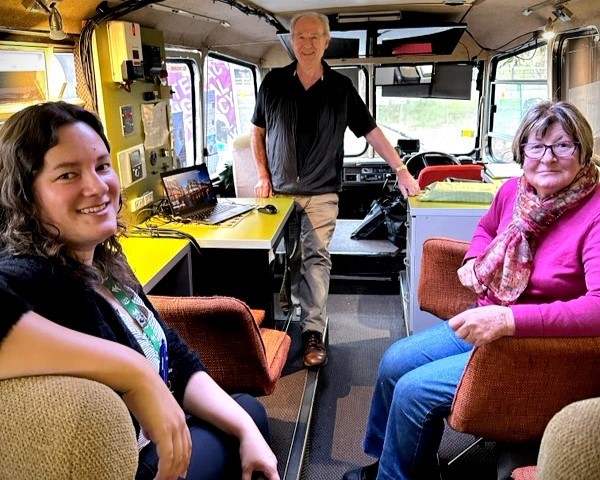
231 60
366 98
494 82
197 140
48 52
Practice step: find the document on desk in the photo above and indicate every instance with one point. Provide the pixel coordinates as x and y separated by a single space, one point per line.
461 192
503 170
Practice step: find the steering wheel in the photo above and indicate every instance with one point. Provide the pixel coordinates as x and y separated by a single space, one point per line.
419 161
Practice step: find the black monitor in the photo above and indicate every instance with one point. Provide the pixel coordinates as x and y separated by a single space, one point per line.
447 80
452 80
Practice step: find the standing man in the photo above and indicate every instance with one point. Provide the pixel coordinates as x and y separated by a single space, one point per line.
297 139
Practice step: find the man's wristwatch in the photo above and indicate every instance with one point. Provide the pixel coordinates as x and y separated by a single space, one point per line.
400 168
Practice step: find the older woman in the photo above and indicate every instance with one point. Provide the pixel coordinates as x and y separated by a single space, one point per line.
534 263
71 304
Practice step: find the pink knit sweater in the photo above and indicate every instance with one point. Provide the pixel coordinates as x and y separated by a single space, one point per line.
562 298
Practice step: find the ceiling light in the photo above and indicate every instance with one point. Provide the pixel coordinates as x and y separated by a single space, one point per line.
56 25
185 13
368 17
54 20
563 14
546 3
548 32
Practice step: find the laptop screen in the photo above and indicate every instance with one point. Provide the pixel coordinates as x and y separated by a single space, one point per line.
189 189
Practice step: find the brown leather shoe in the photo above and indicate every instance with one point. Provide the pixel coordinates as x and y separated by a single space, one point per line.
315 353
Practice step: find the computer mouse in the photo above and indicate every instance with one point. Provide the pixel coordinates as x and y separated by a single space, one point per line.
268 208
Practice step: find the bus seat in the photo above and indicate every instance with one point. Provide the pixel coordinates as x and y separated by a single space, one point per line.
570 446
511 387
238 353
58 427
245 174
437 173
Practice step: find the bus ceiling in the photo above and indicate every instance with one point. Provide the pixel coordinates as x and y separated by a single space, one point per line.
392 29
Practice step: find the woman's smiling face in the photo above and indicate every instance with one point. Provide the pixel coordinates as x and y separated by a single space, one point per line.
77 190
551 173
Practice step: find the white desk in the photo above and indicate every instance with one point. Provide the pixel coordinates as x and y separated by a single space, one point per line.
426 220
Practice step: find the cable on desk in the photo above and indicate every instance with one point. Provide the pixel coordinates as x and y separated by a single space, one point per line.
157 207
164 233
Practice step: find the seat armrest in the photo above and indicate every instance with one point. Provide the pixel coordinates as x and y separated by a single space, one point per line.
439 291
571 444
58 427
512 387
227 337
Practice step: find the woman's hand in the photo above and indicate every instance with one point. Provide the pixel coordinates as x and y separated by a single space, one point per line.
483 325
163 422
257 456
466 275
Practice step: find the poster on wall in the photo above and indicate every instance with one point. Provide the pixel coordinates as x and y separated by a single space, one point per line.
156 126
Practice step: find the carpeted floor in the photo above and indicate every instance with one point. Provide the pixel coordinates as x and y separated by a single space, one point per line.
362 326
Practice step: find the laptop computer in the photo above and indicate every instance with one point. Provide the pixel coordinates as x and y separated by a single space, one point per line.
191 195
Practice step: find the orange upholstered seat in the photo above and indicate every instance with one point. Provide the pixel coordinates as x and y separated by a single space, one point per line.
239 354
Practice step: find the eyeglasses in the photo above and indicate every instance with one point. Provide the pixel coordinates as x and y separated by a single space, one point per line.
536 151
309 38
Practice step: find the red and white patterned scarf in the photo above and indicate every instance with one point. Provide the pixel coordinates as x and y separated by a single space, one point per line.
505 265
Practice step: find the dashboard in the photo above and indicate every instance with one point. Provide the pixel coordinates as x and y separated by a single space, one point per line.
366 171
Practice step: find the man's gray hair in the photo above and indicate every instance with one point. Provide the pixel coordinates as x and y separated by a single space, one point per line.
324 20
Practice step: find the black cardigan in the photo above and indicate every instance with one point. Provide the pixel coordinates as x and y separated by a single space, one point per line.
52 291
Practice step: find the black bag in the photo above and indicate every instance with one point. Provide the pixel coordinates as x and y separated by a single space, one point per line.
394 207
386 220
373 225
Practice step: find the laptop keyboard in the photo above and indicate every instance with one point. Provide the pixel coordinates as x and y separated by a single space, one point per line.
217 209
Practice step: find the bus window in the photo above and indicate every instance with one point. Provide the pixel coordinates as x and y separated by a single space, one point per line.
64 78
22 77
580 72
35 74
183 111
448 125
520 81
353 146
229 100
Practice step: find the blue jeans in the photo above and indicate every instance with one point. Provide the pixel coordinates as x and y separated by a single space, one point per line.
416 382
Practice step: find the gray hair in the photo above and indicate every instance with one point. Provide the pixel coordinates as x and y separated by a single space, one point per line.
324 20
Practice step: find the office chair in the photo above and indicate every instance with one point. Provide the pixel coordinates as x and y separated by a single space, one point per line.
437 173
511 387
238 351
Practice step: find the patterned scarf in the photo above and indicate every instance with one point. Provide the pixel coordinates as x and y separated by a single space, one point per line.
505 265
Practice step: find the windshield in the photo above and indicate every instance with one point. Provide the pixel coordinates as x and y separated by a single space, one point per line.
441 125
